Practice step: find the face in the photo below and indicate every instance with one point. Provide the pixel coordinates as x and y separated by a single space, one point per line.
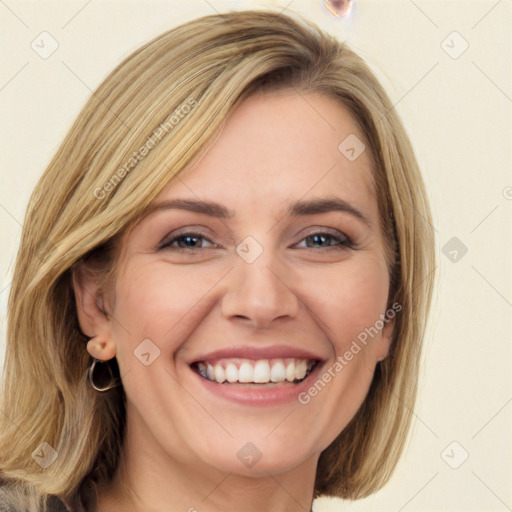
280 277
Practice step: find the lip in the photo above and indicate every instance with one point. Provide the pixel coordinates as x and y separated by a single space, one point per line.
256 353
259 394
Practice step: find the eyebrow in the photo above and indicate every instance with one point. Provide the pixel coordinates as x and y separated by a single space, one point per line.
297 208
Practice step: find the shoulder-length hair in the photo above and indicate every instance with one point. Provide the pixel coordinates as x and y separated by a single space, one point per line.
151 117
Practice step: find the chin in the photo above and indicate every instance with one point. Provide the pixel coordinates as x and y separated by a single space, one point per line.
259 457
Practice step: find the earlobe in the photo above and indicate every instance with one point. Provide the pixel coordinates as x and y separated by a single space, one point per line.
102 350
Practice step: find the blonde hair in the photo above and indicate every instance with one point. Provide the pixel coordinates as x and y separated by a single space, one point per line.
95 188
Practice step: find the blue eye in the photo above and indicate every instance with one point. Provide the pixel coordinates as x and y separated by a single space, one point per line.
186 241
320 238
190 241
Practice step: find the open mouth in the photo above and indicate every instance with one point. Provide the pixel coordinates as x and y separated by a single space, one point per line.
260 372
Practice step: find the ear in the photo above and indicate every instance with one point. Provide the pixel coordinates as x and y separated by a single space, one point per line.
93 318
386 340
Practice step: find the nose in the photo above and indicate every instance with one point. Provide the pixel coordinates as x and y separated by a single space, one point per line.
259 293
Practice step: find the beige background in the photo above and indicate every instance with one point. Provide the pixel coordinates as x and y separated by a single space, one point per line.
458 113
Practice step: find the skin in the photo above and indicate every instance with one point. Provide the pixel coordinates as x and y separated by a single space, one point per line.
302 291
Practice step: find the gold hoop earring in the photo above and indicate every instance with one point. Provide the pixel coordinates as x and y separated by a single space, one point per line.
113 382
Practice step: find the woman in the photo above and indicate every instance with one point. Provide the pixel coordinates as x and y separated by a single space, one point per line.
222 283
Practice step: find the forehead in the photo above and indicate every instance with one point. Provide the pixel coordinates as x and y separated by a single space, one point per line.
280 147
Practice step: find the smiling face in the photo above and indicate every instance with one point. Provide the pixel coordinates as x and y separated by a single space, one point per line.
289 266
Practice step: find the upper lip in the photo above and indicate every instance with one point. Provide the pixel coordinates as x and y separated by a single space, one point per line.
252 352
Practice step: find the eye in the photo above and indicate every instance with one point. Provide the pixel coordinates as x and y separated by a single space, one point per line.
189 240
324 239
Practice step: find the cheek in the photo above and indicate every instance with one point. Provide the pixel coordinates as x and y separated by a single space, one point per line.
163 306
351 300
350 305
157 304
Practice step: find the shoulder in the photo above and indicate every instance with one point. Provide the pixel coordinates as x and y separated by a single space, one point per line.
14 500
11 499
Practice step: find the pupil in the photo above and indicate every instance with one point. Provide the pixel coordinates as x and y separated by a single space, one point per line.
318 237
187 239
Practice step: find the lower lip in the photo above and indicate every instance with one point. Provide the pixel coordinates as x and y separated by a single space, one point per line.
261 395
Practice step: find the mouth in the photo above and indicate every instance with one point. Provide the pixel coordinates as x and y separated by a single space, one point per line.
255 372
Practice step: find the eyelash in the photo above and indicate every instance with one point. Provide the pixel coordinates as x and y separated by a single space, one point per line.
344 241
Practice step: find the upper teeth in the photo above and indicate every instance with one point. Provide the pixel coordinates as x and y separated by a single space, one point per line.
260 371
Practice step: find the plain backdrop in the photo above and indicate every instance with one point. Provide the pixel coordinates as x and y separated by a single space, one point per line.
447 68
